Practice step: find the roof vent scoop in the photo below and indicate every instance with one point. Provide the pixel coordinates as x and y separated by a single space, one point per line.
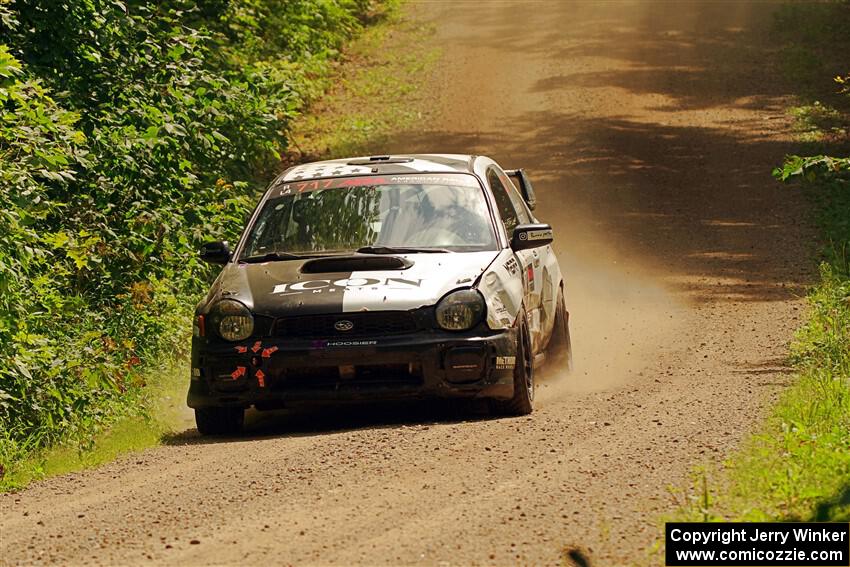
364 263
380 160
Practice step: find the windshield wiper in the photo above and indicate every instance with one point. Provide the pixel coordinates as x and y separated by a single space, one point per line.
400 250
275 257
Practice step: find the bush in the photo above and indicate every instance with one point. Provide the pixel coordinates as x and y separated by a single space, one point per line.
131 132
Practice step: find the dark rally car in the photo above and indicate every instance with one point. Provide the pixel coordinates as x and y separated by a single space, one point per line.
381 278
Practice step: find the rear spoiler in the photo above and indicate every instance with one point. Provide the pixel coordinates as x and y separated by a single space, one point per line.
523 183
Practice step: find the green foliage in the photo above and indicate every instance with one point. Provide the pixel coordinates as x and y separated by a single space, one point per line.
289 30
165 414
130 132
817 122
814 168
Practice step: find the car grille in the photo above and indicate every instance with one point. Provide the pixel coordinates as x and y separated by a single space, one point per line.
366 324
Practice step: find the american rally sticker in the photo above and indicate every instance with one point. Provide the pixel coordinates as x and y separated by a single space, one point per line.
505 362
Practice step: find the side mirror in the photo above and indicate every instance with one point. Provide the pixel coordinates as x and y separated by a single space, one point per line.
215 252
523 183
531 236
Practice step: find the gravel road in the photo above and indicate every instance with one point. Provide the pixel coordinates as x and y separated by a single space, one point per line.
650 131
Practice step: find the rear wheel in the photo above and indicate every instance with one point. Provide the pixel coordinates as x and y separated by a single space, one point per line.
219 421
522 402
560 349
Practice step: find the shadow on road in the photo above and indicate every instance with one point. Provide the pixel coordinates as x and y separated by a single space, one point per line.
323 419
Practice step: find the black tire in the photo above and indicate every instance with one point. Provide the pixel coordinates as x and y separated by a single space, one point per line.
219 421
522 402
560 348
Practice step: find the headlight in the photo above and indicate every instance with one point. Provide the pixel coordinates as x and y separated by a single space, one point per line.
232 320
460 310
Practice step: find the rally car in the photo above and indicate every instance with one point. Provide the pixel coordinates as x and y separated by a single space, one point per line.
381 278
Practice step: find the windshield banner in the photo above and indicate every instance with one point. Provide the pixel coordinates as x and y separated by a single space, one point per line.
295 187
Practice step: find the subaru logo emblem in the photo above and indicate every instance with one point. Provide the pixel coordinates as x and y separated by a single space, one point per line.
343 325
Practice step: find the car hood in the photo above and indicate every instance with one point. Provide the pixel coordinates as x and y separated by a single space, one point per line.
303 286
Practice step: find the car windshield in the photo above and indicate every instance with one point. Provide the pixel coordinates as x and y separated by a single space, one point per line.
407 213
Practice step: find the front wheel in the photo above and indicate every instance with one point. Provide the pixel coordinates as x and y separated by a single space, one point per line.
522 402
219 421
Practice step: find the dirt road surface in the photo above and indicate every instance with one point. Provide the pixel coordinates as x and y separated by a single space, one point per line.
650 131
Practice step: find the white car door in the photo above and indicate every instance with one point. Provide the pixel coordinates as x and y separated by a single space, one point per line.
536 278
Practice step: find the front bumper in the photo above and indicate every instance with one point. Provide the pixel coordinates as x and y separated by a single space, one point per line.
272 372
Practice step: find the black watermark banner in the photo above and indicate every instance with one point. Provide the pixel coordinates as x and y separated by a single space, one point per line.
764 544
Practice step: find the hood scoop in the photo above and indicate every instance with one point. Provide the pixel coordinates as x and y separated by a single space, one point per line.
359 263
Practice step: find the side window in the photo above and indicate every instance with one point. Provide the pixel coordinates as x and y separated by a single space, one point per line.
517 200
503 201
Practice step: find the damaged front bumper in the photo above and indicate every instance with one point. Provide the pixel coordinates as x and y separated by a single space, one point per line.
272 372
